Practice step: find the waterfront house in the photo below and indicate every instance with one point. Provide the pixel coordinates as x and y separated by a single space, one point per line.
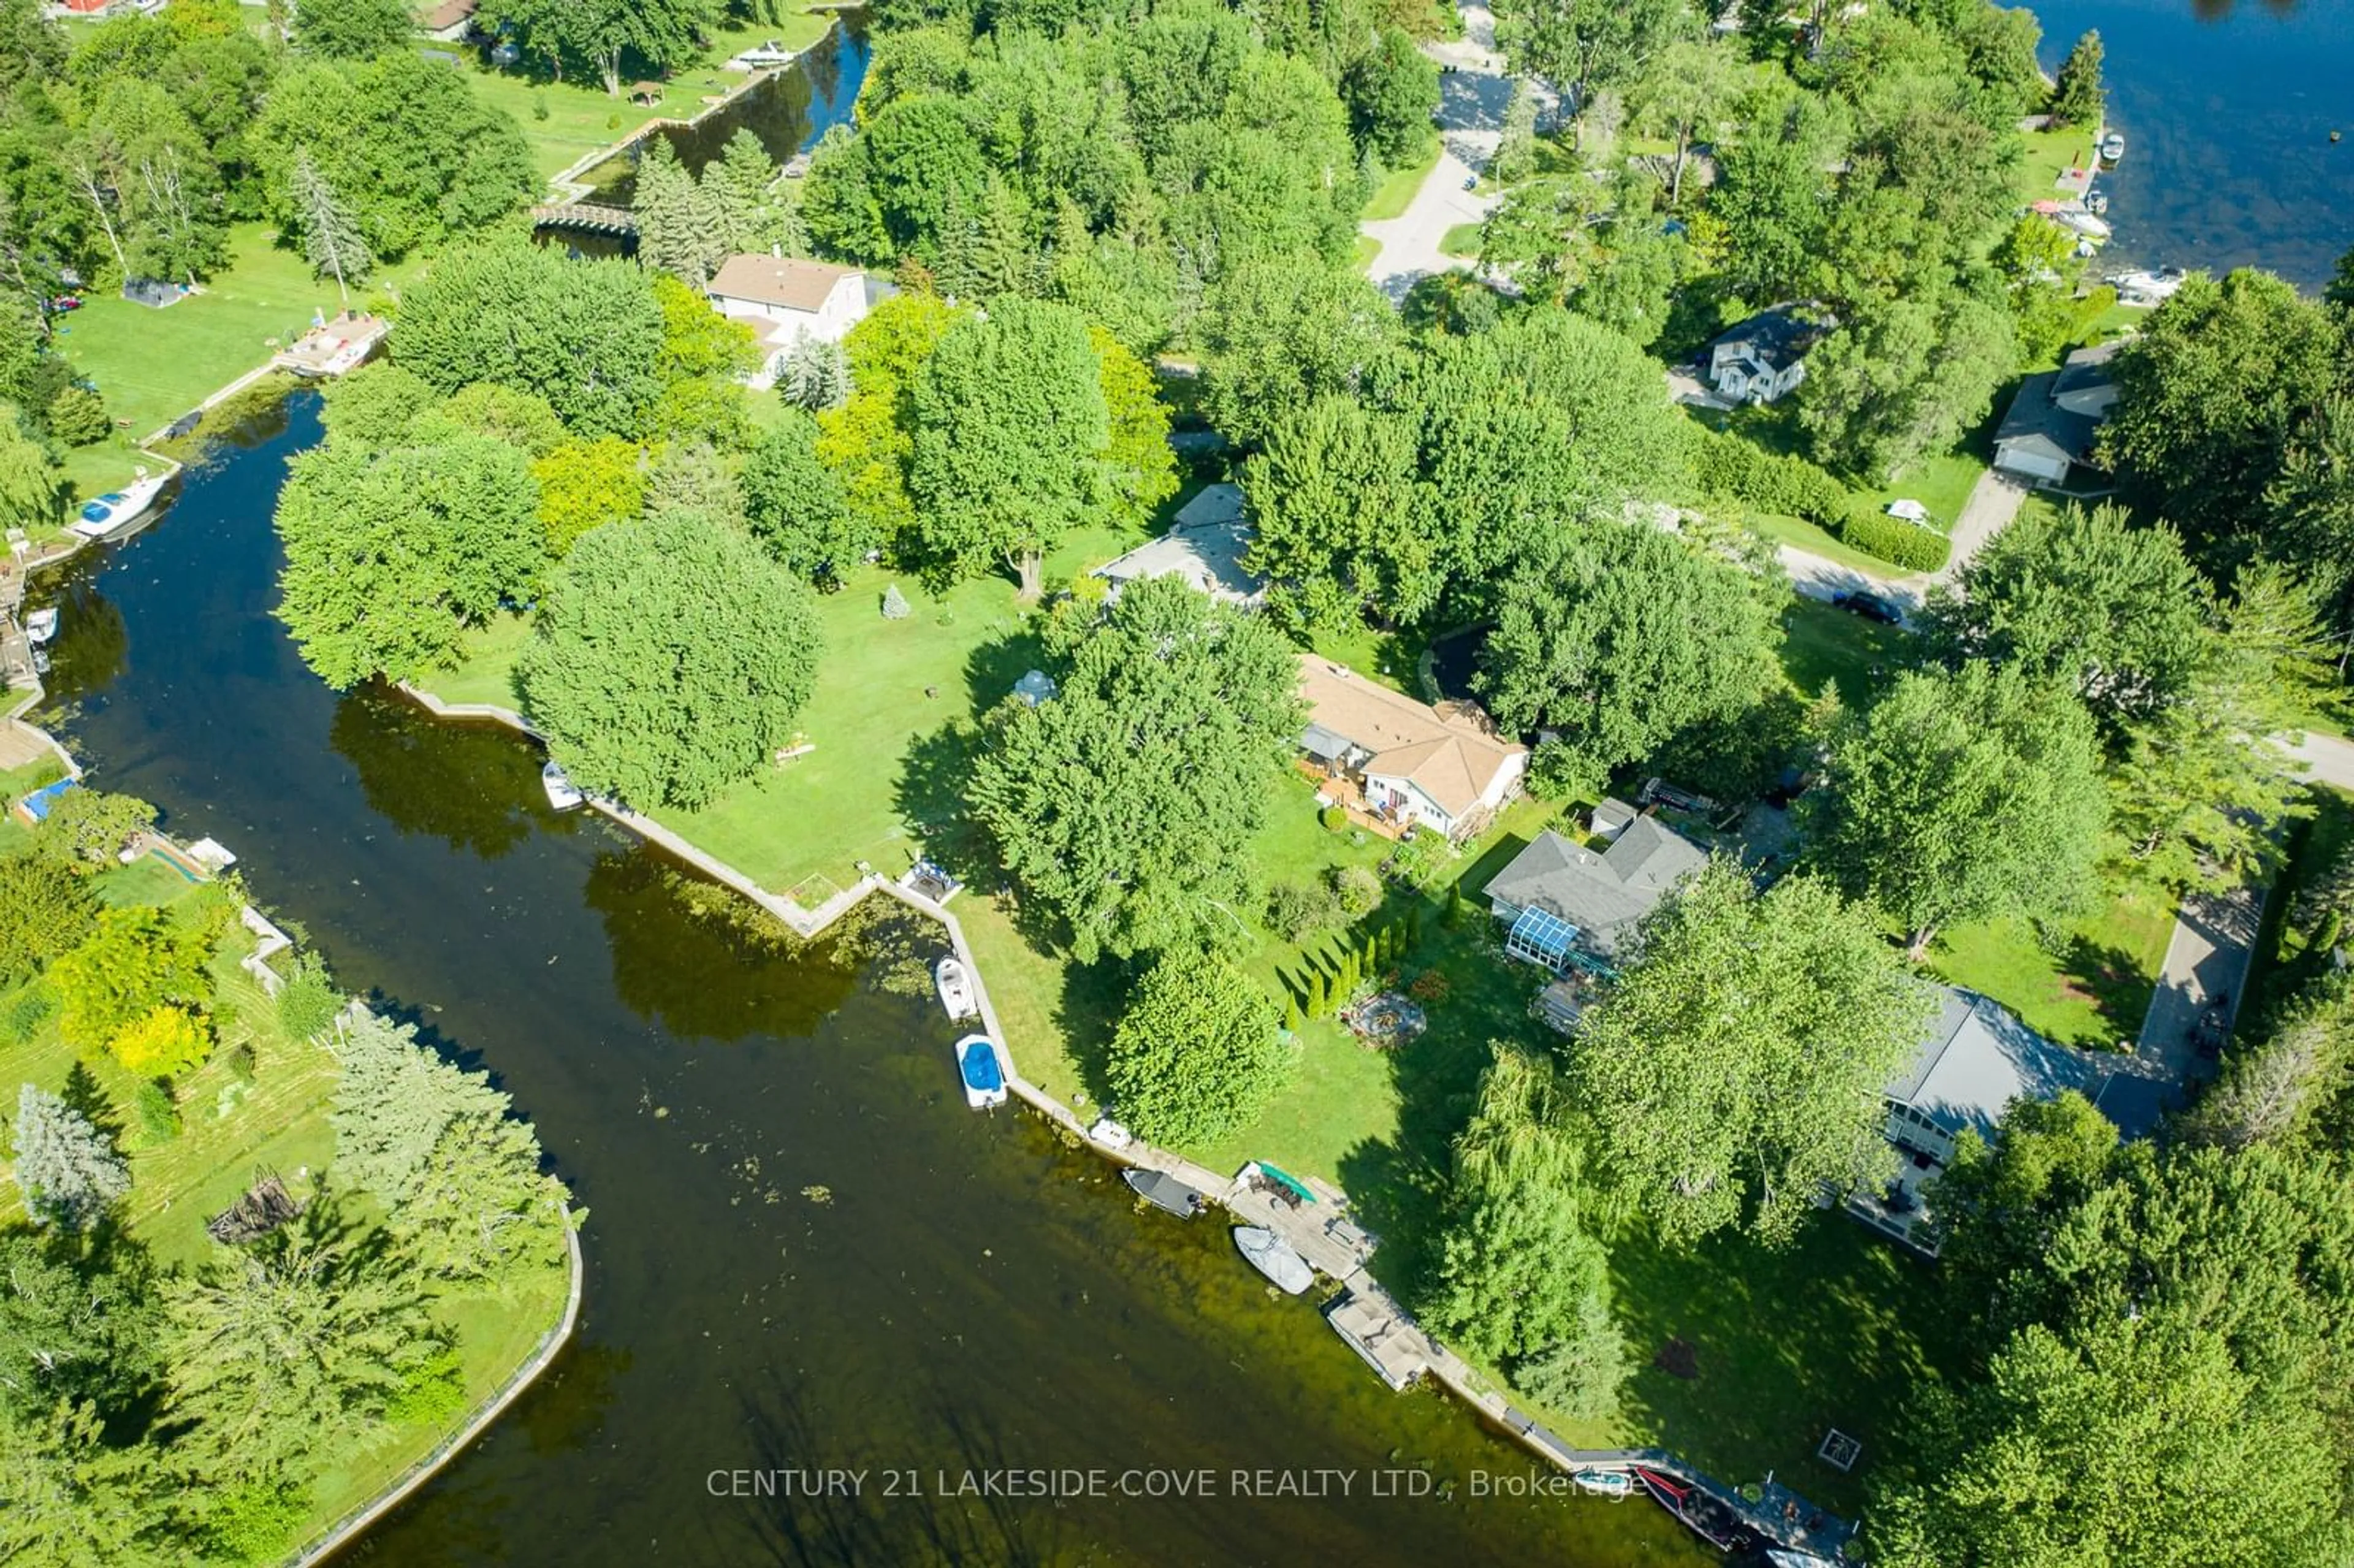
1977 1059
2052 425
1565 906
1762 358
447 23
1404 762
784 299
1203 547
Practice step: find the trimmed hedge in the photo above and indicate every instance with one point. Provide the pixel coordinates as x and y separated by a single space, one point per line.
1738 470
1894 540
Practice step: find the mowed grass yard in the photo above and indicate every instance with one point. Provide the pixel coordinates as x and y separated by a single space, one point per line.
278 1122
2089 985
153 365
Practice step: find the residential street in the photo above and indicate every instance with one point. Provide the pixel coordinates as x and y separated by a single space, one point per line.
1471 97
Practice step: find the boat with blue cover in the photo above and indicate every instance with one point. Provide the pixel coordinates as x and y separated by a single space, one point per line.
977 1064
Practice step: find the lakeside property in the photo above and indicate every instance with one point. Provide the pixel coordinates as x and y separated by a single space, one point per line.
240 1143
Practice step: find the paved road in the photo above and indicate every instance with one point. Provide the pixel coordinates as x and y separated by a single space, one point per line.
1471 98
2328 759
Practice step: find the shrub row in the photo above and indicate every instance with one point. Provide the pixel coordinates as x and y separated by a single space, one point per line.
1738 470
1894 540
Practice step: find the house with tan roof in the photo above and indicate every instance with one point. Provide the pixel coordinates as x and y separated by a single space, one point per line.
1445 768
784 299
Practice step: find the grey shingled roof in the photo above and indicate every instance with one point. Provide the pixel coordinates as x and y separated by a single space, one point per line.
2036 418
1601 894
1979 1057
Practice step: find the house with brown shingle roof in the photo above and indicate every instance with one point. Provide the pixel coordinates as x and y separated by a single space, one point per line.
784 299
1445 768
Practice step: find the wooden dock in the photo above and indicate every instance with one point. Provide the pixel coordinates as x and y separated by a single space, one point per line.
1379 1328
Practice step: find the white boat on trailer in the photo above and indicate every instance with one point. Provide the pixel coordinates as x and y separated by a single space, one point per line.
955 986
562 792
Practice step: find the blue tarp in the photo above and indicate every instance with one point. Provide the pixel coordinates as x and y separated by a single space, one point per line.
35 807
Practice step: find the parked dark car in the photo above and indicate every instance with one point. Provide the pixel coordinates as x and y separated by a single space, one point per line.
1869 606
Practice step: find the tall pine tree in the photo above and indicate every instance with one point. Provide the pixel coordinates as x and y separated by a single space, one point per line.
331 238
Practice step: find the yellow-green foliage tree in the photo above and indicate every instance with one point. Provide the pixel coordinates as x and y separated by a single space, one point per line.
586 485
702 353
1143 471
169 1041
134 963
868 440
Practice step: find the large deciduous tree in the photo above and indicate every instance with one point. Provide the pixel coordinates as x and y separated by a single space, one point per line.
1904 379
1199 1052
352 29
1336 530
670 659
1739 1065
794 504
1960 796
2111 609
1585 46
1011 429
587 336
2211 393
598 37
1127 804
390 559
1620 634
1282 331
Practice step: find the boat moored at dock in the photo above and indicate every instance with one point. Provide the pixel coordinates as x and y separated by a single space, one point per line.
1273 1257
955 986
117 510
984 1077
562 793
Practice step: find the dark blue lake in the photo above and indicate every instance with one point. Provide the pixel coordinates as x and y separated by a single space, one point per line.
2227 106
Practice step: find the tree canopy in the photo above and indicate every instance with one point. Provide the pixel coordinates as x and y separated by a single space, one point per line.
669 660
1739 1063
1126 805
1959 796
1198 1053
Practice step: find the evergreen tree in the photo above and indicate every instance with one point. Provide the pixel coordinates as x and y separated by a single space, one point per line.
1517 147
331 239
71 1500
738 192
2077 98
678 230
68 1169
394 1101
814 375
894 603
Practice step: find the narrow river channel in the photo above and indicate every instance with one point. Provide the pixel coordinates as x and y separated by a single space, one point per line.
804 1251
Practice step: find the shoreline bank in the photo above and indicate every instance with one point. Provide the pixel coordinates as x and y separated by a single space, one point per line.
1404 1340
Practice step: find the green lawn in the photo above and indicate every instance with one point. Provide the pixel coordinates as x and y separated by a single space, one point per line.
1942 483
1365 249
1820 643
152 365
487 676
1391 196
2089 987
277 1120
2049 154
1462 239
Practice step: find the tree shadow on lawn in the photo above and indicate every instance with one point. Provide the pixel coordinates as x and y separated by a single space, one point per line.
2111 980
1837 1330
1399 1185
993 667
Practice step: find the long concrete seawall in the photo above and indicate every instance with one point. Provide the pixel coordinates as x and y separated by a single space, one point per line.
1344 1260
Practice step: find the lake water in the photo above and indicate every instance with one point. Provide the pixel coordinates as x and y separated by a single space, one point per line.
788 109
2227 106
803 1251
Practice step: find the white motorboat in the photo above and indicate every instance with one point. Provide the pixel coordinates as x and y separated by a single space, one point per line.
1273 1257
2083 222
40 626
977 1066
955 986
2113 147
2149 288
118 509
562 793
